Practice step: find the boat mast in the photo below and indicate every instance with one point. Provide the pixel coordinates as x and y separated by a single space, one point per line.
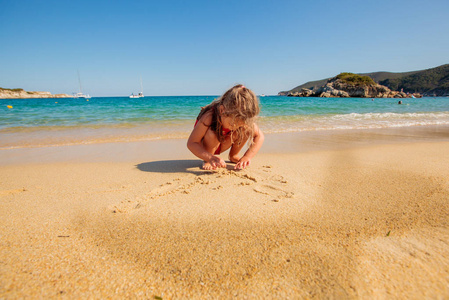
141 88
79 81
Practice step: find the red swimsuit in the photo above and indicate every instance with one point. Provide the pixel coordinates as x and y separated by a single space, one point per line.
226 131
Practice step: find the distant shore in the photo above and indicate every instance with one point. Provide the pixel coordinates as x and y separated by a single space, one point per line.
22 94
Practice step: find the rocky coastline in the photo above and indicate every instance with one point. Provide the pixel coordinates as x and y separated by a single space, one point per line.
22 94
338 88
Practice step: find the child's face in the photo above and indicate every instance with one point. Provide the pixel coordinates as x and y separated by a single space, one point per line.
232 123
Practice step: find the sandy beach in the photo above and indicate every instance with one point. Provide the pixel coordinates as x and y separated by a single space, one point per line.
357 214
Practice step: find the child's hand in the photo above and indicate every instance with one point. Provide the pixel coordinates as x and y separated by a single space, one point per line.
217 162
242 163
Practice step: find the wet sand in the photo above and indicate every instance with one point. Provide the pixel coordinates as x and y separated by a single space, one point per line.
357 214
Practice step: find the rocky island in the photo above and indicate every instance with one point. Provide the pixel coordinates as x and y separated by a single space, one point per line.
432 82
346 85
22 94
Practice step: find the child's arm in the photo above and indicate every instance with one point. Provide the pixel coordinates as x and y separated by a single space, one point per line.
195 145
252 150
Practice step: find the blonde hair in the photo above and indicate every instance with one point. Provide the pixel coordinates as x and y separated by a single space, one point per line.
239 103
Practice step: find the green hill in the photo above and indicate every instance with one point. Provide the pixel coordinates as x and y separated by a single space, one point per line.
380 76
427 82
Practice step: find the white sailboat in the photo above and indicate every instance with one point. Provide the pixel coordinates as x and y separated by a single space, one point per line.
140 94
80 93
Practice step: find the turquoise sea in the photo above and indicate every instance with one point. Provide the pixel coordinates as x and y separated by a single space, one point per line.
55 122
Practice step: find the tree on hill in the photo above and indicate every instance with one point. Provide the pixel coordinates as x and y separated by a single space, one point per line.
13 90
355 79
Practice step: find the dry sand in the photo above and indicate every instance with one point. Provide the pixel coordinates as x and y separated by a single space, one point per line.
359 220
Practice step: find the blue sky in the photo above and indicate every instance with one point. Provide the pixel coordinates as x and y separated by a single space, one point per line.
204 47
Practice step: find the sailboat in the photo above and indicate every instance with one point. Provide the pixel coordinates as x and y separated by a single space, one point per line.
80 93
140 94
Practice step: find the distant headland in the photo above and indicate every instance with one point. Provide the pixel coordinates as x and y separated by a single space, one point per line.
431 82
22 94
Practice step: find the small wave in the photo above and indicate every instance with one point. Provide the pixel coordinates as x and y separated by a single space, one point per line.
353 121
392 115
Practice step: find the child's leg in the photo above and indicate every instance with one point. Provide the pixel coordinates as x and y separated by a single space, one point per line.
211 144
235 148
210 141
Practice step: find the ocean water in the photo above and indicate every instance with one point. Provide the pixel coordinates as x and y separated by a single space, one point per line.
54 122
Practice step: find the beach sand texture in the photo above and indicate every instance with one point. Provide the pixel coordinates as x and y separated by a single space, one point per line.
361 222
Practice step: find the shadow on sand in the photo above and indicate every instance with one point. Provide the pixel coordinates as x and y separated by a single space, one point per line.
170 166
177 166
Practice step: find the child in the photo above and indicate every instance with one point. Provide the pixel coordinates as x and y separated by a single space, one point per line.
228 122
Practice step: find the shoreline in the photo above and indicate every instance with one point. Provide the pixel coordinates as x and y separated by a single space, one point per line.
330 215
288 142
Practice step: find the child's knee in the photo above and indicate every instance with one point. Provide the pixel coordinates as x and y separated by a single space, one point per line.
210 141
234 157
210 136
